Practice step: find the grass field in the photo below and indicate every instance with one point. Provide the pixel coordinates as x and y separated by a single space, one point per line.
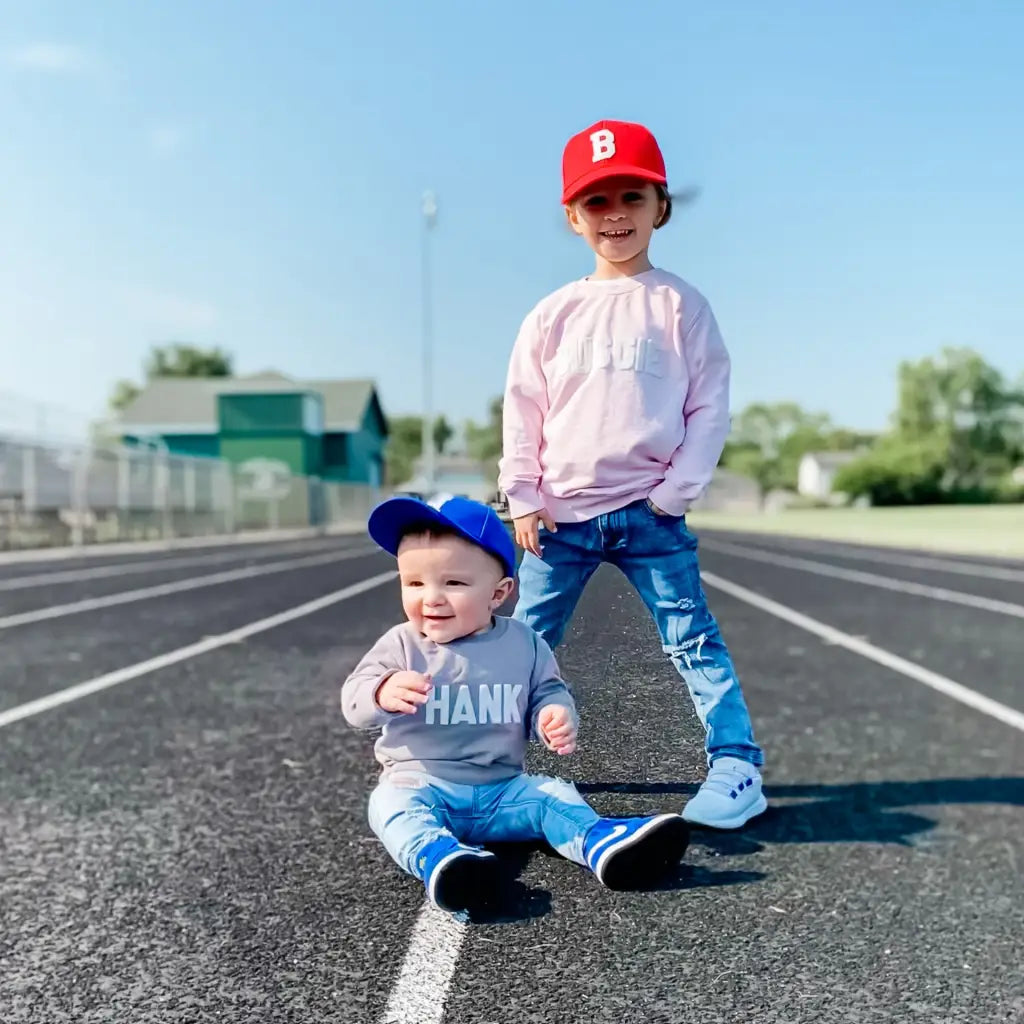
966 529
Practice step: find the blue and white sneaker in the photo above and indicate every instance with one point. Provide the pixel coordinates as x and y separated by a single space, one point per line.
457 877
631 852
730 797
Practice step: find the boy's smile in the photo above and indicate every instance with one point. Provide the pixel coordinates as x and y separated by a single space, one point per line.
616 218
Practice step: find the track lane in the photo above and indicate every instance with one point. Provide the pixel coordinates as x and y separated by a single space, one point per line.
200 835
892 847
981 649
44 657
193 845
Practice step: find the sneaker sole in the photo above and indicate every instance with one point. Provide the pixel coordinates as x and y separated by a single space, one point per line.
646 855
759 806
464 880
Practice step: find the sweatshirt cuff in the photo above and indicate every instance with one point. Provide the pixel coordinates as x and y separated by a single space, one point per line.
365 708
669 500
523 501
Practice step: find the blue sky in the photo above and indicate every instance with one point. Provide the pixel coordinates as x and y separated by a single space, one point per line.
248 174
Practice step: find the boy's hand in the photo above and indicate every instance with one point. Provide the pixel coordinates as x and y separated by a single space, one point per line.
404 691
557 729
528 533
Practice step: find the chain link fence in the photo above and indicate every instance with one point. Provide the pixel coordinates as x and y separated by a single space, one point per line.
55 494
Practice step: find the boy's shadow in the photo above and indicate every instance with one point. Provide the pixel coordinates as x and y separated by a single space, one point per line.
858 812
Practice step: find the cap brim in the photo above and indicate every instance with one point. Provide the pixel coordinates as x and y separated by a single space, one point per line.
605 173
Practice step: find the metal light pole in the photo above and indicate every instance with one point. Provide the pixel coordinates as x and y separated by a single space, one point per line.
429 220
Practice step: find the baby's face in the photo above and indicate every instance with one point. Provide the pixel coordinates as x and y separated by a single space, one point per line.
450 587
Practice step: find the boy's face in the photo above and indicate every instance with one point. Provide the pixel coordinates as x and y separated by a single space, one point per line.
450 587
617 218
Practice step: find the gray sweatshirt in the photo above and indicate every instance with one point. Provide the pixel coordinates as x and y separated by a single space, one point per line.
488 690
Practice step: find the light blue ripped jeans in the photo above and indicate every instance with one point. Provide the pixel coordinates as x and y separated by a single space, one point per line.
409 809
658 555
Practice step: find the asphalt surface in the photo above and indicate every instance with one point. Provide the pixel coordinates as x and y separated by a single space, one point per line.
192 844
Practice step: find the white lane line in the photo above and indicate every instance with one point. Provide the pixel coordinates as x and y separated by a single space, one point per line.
210 643
119 548
89 604
45 579
870 579
942 684
430 961
977 569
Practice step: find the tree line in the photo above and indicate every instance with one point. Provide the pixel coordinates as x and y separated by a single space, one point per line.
956 435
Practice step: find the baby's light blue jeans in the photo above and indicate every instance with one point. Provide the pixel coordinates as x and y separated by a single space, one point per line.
409 809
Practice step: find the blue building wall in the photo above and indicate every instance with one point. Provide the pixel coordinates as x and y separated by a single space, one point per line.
358 457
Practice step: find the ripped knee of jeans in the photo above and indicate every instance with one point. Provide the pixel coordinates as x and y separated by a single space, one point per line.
688 651
561 790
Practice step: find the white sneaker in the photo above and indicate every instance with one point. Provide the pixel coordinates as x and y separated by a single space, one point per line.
730 796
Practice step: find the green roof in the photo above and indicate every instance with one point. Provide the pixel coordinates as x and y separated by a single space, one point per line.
189 404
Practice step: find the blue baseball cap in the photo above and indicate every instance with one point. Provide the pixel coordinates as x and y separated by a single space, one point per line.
478 523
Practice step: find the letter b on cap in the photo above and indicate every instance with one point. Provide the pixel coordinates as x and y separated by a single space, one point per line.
603 142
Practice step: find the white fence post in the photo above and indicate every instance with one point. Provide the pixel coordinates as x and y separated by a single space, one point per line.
29 479
190 486
79 495
124 476
167 526
227 486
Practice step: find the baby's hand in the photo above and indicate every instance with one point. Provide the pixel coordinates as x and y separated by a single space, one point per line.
404 691
557 729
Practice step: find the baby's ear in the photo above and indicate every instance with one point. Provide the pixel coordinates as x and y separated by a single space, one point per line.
502 591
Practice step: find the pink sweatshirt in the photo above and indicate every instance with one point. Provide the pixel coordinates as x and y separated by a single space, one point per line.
617 390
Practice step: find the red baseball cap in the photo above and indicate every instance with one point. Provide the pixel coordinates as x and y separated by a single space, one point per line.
609 149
